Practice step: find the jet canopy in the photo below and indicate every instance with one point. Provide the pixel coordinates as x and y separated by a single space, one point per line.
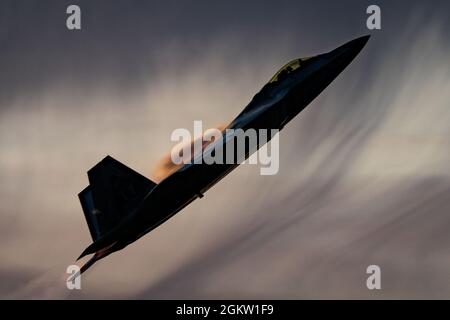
287 69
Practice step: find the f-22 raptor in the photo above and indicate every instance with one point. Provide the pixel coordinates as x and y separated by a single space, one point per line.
120 205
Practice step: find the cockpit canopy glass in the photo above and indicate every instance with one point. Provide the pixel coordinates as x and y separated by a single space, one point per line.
287 69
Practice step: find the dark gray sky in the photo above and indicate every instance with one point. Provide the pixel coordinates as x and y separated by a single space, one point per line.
121 42
364 171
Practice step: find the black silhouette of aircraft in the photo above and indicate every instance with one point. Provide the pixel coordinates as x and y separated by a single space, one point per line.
120 205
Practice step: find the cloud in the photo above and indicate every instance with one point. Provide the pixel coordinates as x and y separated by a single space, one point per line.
363 170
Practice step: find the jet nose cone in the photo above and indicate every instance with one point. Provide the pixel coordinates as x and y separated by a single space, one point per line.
344 54
352 47
358 43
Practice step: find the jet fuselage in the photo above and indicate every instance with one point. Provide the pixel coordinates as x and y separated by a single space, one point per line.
278 102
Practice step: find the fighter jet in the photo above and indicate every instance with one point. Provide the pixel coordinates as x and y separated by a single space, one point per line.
120 205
